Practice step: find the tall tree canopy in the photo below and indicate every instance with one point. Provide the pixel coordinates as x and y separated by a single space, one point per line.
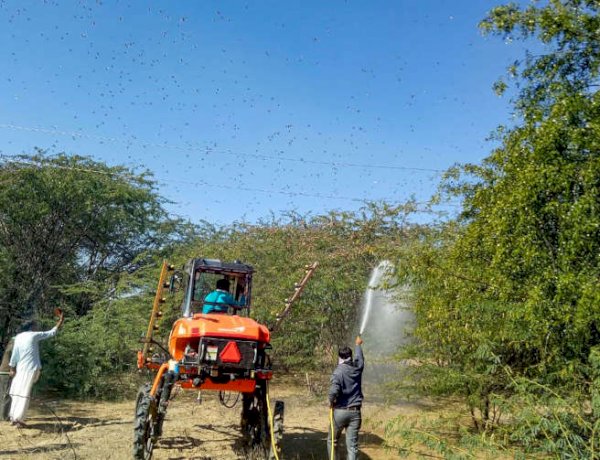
513 282
533 214
346 245
69 226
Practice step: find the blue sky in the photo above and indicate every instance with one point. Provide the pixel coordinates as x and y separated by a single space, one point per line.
242 109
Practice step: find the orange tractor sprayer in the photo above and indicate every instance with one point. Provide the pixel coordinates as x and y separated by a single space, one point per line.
213 346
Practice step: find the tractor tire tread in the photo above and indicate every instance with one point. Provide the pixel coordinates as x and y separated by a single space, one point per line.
142 409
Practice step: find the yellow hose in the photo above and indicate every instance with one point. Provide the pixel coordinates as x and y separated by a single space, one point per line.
271 423
332 433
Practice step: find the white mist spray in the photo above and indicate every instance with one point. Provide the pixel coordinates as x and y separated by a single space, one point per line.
376 277
385 327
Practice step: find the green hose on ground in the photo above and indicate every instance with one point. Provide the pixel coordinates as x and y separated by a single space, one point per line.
332 457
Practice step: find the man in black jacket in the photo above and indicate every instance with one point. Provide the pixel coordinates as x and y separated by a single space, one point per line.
345 398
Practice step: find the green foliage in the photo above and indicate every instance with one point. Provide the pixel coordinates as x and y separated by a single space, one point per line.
69 227
552 420
79 234
442 434
91 238
506 296
568 64
346 245
95 354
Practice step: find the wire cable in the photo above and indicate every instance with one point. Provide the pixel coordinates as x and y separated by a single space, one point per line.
200 183
226 396
211 151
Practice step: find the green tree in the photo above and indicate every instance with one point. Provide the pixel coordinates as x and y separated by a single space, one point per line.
69 227
507 296
347 246
95 354
533 212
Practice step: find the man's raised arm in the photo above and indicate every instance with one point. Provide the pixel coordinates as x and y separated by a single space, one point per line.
360 359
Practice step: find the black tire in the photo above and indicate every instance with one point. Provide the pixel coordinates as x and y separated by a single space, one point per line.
255 425
250 420
277 429
163 397
145 424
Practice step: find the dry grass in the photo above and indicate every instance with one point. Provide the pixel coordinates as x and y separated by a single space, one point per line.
103 430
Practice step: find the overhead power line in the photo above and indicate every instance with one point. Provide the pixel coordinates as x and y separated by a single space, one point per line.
12 159
201 183
210 150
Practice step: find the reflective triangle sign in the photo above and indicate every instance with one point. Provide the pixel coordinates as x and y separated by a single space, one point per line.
230 353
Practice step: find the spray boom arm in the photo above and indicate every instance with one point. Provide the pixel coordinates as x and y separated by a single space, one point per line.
298 287
143 359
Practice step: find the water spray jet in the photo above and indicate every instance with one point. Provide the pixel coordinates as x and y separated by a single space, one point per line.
374 282
385 325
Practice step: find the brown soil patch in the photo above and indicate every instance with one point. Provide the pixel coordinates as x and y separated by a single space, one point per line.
192 430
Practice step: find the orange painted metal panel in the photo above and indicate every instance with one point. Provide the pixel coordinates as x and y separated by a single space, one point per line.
185 330
240 385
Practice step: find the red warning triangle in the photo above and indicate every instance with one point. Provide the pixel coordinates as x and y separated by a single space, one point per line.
231 353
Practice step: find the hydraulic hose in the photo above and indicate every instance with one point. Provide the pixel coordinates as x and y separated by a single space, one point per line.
270 415
332 457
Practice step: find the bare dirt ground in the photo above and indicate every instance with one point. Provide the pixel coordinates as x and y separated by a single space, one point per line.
192 430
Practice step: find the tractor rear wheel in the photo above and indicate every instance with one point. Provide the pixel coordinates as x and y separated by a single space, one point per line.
144 435
162 397
277 429
256 428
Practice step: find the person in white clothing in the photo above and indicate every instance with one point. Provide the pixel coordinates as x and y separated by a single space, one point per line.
25 367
